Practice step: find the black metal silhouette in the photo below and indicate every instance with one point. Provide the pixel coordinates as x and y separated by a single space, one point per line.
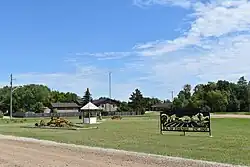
185 120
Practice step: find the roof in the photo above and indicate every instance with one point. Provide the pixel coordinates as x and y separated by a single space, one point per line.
162 105
64 105
90 106
103 101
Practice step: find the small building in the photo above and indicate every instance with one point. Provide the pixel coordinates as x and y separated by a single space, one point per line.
106 104
46 110
65 107
162 106
89 112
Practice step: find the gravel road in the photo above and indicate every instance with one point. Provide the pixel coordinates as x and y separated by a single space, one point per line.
25 152
229 116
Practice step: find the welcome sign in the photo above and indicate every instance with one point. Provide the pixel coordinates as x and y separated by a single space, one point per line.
185 120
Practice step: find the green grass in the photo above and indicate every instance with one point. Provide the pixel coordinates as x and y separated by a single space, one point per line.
237 113
230 142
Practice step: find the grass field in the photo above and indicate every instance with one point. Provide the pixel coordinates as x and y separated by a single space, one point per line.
235 113
230 142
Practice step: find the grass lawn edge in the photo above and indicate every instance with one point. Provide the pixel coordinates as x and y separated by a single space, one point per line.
110 150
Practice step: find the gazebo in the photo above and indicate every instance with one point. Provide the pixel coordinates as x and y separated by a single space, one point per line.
90 113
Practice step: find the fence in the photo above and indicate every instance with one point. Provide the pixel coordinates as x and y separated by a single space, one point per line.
34 115
118 113
66 114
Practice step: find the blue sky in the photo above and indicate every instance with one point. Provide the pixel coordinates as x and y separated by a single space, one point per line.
155 45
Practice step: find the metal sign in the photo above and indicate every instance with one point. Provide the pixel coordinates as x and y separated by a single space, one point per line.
185 120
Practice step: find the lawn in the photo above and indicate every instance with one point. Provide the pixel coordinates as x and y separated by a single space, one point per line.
235 113
229 144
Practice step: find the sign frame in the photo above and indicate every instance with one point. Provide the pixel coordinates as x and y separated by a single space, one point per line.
185 120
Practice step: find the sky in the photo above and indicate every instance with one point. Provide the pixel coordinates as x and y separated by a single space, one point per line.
156 46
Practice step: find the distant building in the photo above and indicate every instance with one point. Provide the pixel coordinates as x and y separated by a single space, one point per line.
106 104
46 110
65 107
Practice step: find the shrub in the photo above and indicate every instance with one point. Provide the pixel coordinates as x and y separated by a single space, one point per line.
116 117
42 123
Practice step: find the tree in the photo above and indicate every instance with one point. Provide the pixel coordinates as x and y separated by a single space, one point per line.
217 101
124 107
32 97
87 97
218 96
148 102
242 93
56 96
187 91
136 102
38 107
183 98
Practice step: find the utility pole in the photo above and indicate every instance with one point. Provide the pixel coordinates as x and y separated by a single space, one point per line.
110 91
172 94
248 97
11 91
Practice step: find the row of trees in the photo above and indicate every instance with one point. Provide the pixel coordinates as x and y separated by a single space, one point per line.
220 96
36 97
32 98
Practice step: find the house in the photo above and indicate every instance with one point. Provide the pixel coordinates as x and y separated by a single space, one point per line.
106 104
162 106
65 107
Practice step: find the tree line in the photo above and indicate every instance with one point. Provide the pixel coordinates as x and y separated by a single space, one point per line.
35 98
220 96
32 97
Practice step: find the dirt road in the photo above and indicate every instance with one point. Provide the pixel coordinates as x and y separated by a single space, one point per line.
229 116
23 152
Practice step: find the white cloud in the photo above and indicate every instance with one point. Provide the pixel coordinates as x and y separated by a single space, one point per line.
216 46
77 82
106 55
85 76
211 20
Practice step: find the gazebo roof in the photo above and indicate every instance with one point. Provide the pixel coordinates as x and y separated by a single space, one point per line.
90 106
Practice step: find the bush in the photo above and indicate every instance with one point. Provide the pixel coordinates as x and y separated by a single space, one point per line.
116 117
42 123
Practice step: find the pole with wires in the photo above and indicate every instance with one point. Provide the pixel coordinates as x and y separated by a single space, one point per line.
11 91
110 91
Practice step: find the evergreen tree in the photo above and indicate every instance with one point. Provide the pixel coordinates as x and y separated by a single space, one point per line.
137 102
87 97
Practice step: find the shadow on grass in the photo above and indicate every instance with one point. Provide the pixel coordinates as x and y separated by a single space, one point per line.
187 134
